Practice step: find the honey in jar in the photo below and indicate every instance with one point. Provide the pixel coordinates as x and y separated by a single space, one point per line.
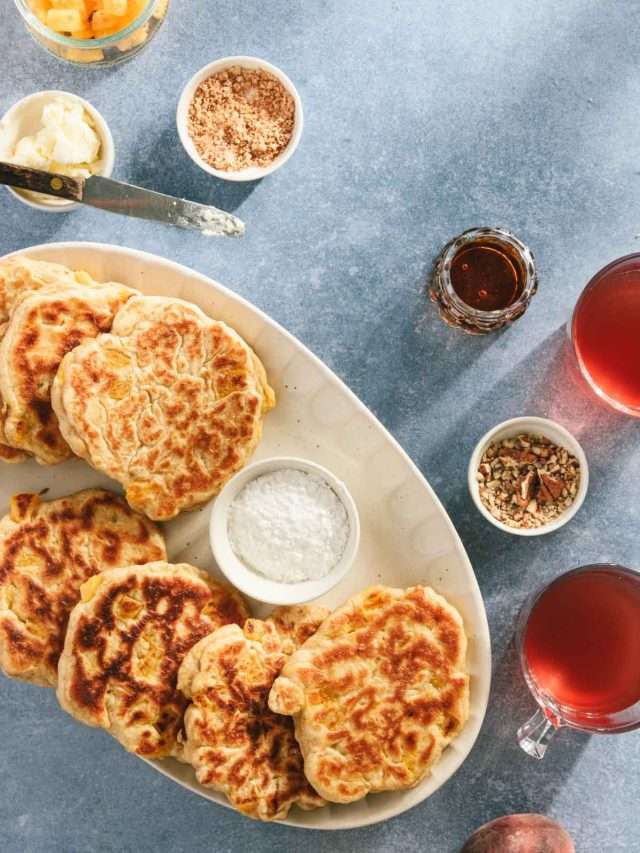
483 280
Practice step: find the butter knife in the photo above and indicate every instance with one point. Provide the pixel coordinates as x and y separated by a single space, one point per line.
118 197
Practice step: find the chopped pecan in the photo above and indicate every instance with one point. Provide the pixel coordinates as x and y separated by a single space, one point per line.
526 488
550 488
527 480
518 455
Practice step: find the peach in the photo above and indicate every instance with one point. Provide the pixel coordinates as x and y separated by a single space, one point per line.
520 833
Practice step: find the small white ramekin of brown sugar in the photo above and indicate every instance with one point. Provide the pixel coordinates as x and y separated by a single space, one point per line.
528 476
240 118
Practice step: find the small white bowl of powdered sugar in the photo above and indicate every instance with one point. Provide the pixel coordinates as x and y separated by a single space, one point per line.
284 530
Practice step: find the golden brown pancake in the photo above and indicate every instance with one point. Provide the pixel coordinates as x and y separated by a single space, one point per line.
234 742
125 642
47 550
18 276
11 455
294 624
170 404
377 692
43 327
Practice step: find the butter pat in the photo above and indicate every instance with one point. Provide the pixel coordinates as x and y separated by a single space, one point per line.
66 143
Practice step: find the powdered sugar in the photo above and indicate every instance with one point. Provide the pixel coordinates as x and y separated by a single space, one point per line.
289 526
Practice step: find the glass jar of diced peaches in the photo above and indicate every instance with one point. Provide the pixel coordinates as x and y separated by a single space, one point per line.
93 33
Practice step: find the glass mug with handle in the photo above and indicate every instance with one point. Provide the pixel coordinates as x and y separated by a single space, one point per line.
579 646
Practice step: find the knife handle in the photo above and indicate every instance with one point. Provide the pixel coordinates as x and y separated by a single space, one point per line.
35 180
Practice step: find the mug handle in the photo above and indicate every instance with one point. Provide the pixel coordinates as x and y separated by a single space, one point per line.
537 733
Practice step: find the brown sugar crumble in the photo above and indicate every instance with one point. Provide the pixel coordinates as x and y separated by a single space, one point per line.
527 481
241 117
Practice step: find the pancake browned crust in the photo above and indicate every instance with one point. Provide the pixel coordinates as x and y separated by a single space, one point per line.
295 623
18 276
47 550
10 454
234 742
125 642
42 328
377 692
170 404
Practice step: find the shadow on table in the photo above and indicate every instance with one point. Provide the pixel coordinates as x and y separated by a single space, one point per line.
418 347
555 389
526 784
33 227
167 169
546 382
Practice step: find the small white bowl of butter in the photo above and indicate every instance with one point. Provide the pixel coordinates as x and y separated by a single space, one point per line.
284 530
58 132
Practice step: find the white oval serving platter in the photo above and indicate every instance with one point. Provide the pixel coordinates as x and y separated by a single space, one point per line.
406 535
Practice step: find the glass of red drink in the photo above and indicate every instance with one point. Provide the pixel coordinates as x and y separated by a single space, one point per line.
604 331
579 644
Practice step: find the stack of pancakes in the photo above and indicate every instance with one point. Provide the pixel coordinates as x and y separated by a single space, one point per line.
149 390
303 708
45 310
47 551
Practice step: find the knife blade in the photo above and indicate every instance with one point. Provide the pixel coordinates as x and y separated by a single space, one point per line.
127 199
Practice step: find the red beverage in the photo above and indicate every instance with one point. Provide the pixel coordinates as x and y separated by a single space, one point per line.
582 643
606 333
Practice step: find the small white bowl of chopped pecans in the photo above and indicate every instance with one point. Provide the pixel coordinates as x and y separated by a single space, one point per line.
240 118
528 476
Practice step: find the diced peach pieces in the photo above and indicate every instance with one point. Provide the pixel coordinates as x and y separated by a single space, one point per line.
85 55
80 5
105 21
40 8
138 37
86 19
115 7
64 20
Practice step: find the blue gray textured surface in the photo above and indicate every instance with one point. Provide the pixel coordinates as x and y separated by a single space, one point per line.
422 119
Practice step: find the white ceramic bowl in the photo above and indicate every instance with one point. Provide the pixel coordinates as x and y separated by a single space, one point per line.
252 173
255 585
537 426
23 119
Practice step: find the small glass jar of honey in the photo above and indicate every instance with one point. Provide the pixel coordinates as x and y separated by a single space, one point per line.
483 280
